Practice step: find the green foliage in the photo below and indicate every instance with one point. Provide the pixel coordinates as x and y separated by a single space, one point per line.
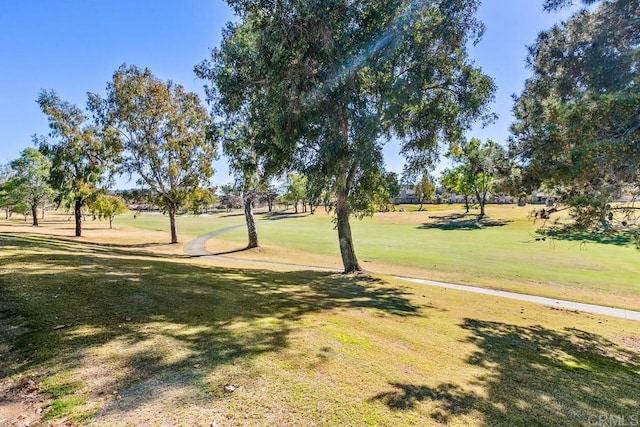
482 167
31 186
295 190
576 125
107 206
340 79
425 189
82 156
201 199
165 131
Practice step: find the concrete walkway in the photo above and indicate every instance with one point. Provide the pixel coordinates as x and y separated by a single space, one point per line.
197 248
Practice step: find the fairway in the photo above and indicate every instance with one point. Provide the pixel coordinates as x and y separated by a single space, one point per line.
110 333
499 252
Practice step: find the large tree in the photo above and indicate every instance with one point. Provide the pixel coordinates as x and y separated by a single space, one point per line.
341 78
236 93
81 155
577 125
32 171
165 132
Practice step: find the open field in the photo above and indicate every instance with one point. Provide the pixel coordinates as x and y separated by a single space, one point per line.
500 252
114 331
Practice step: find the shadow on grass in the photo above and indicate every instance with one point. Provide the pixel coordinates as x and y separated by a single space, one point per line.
60 299
618 238
462 222
55 242
277 216
534 376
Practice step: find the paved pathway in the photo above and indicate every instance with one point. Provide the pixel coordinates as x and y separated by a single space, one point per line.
197 248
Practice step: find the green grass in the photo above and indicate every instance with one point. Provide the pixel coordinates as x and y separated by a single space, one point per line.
498 252
119 335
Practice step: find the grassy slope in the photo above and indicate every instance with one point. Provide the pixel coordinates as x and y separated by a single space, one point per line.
499 252
151 338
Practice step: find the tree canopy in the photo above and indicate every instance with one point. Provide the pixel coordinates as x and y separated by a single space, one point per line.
32 170
341 78
165 133
81 155
577 125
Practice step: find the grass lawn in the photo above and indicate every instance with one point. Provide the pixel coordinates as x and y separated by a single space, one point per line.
499 252
98 331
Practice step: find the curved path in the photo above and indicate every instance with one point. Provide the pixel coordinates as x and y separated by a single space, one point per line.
197 248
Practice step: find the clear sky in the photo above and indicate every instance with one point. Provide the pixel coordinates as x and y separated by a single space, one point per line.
74 46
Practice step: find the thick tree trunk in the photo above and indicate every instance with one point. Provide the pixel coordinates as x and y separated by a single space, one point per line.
270 204
347 250
251 224
172 221
78 215
34 214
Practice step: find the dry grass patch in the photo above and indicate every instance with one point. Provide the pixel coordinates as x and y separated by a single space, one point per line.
119 336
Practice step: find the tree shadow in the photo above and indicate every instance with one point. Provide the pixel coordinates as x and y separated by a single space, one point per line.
277 216
618 238
67 299
462 222
451 399
532 375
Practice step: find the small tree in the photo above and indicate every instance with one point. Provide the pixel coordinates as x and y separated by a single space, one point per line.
425 189
32 174
483 165
108 206
295 191
457 181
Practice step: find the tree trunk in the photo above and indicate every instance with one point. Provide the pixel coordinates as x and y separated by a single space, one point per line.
43 211
466 203
78 215
110 223
347 251
270 203
482 198
172 221
34 214
251 224
295 206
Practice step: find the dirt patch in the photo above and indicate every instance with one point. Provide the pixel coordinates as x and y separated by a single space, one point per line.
632 343
20 403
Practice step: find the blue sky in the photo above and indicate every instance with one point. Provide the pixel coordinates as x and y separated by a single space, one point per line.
74 46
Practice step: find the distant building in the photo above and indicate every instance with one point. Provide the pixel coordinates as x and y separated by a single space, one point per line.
407 195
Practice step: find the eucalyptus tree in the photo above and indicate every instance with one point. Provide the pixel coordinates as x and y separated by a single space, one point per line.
236 93
32 170
577 125
81 155
341 78
166 134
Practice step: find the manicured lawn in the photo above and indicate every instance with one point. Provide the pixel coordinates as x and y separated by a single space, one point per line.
104 334
499 252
